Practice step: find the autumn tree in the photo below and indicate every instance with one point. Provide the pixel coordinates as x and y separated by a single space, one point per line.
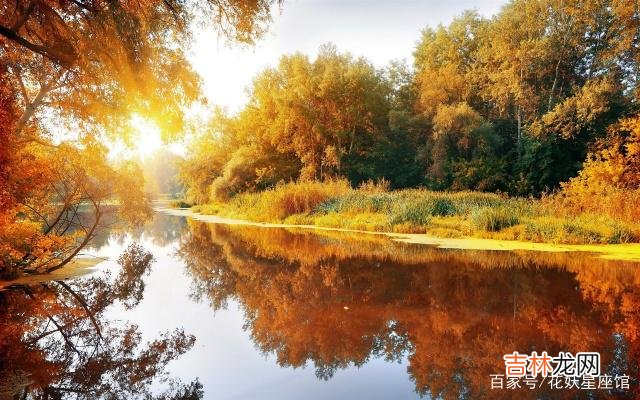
308 120
609 181
101 61
324 112
73 74
511 103
543 74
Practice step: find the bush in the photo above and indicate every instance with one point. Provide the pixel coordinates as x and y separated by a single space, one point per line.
357 202
494 219
443 208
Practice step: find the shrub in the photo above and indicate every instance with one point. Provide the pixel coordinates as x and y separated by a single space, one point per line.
443 208
356 202
609 182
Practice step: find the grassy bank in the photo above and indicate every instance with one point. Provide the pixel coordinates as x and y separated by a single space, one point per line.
445 214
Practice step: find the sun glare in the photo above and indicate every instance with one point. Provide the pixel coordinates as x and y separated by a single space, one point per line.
146 135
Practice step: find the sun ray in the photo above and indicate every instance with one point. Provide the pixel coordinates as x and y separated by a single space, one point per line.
145 135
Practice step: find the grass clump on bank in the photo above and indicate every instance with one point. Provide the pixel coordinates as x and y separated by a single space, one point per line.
372 207
180 204
280 202
494 219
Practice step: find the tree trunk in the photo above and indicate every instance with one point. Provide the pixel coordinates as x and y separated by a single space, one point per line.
553 87
519 132
519 111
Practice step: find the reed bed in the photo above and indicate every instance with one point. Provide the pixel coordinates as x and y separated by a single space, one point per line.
373 207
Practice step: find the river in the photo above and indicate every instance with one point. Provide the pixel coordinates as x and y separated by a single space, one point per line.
187 309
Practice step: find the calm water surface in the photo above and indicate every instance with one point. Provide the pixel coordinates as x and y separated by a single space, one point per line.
187 310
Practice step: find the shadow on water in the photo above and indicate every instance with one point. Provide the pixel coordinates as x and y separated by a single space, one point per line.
331 300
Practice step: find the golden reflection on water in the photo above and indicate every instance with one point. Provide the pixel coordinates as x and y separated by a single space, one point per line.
333 300
337 300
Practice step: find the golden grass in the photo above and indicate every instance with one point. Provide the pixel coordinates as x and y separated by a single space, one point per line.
282 201
334 204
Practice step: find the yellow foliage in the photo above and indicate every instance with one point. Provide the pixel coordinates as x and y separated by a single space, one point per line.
609 182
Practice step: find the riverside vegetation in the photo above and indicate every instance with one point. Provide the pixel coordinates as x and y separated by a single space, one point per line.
521 126
540 98
373 207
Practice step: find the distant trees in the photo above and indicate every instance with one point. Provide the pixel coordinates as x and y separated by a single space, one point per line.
540 75
513 103
160 171
308 120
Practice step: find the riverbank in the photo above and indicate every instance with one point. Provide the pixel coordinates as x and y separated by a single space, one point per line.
475 215
622 252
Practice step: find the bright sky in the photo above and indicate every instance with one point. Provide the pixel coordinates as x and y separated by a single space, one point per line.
379 30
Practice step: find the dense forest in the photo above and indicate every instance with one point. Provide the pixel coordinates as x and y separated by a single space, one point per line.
515 103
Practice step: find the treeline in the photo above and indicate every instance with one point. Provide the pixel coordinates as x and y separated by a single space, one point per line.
513 103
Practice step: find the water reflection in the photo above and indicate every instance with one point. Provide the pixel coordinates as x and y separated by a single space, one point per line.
337 302
332 301
56 344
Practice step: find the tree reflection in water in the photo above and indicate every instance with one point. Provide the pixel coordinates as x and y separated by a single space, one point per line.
339 302
334 300
56 344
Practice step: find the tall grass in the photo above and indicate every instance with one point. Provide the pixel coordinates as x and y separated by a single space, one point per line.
494 219
372 207
287 199
619 204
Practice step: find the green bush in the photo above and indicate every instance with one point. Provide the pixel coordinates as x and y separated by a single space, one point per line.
357 202
622 234
443 207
